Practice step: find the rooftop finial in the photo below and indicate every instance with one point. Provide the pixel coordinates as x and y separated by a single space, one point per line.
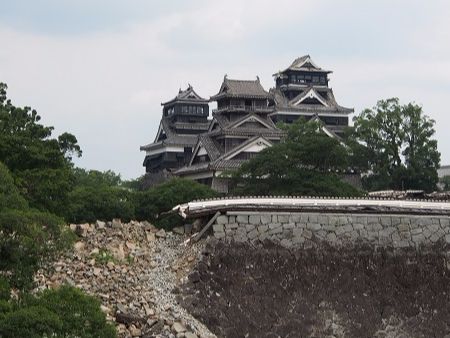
225 76
189 86
257 78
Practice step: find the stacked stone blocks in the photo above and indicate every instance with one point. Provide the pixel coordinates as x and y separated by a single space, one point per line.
310 229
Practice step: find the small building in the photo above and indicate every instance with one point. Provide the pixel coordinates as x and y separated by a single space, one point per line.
183 119
241 127
302 90
444 171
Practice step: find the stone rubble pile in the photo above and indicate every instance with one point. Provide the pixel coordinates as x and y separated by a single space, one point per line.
134 269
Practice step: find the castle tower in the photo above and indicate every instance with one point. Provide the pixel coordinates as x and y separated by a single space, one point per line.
183 118
302 90
241 127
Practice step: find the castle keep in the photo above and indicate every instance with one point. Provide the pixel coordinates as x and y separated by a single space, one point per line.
190 145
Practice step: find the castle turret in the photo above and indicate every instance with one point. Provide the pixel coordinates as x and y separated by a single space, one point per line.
183 119
302 90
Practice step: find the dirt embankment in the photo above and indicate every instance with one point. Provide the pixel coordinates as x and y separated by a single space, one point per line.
240 291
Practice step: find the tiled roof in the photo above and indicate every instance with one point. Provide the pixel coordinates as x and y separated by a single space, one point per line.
192 168
173 138
192 125
246 132
304 63
227 164
221 120
211 147
188 95
266 120
282 103
241 88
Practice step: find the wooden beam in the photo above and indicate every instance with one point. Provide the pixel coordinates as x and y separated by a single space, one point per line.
206 227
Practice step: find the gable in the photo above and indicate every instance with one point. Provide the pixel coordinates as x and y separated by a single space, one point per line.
201 151
213 126
311 97
252 121
161 134
252 147
201 156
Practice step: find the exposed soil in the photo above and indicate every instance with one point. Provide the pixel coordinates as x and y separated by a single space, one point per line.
239 291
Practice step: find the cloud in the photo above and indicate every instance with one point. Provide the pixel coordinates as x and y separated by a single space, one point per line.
105 83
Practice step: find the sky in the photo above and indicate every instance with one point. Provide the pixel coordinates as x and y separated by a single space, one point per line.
100 69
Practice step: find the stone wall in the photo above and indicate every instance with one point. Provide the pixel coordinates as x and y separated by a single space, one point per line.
310 229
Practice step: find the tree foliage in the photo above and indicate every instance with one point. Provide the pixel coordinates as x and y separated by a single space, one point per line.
446 183
154 202
29 237
88 204
36 176
64 312
99 196
41 165
395 144
95 178
306 162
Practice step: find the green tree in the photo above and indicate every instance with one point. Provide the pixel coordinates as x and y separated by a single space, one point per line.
90 203
95 178
395 144
446 182
40 164
153 203
99 196
9 194
306 162
29 238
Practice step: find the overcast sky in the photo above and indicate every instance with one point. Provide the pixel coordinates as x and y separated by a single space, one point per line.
100 68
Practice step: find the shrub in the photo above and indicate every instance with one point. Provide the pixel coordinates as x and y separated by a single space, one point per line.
30 322
64 312
5 289
88 204
104 256
306 183
162 198
29 239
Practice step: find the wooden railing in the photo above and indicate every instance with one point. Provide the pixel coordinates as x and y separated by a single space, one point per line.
243 108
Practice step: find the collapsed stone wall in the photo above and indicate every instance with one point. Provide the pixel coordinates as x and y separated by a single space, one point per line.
309 229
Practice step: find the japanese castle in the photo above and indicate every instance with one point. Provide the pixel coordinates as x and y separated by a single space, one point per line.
190 145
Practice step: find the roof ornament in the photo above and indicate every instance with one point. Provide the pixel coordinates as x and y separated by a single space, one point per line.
257 78
189 86
225 77
179 90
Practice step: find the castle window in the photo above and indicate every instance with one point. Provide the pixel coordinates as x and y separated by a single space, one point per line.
184 109
315 79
